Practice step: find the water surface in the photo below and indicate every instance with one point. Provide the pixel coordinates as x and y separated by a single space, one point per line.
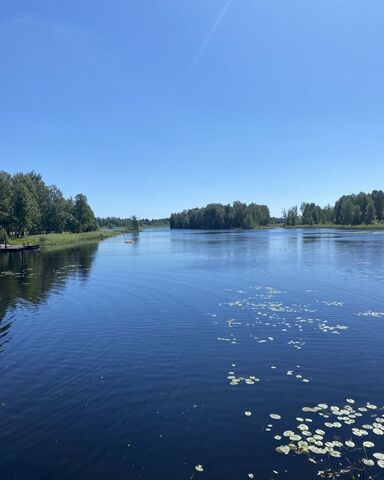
114 357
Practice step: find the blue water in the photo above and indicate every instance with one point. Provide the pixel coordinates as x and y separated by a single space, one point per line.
114 357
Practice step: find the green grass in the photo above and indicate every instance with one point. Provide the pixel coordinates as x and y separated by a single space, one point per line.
63 239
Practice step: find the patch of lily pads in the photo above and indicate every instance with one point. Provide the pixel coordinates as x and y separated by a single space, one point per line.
236 380
343 440
269 312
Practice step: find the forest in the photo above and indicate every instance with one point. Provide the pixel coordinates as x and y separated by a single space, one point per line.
360 209
355 209
28 205
131 223
217 216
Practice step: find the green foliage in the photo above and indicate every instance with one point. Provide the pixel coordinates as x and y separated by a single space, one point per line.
378 201
135 223
28 205
360 209
370 213
356 210
5 199
356 215
3 237
156 222
132 223
25 212
217 216
115 222
291 217
312 214
84 219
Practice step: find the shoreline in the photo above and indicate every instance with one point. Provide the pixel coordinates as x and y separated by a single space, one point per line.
374 226
64 239
70 239
379 226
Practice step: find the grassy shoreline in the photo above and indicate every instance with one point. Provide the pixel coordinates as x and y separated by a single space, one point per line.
70 239
63 239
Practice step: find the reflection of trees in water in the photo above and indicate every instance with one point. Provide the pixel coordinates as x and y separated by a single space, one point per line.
31 276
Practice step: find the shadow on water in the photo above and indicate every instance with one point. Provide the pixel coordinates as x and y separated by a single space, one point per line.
29 277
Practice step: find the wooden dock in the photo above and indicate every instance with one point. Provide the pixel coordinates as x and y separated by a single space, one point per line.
18 248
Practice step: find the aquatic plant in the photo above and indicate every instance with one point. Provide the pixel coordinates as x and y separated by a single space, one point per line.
343 443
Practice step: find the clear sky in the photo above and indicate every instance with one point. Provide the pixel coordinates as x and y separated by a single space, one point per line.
152 106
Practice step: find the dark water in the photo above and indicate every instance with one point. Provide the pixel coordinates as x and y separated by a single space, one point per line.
114 357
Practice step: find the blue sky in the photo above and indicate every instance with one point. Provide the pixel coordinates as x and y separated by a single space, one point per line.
152 106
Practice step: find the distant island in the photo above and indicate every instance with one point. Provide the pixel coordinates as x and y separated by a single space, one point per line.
361 210
216 216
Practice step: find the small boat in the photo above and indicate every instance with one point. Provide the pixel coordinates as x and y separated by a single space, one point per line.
18 248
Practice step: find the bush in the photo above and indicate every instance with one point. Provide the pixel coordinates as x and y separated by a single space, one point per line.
3 236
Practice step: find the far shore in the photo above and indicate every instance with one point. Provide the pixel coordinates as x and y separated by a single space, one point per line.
374 226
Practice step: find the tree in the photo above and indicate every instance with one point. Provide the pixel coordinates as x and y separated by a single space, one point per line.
27 204
307 213
361 200
357 215
5 200
378 199
328 214
84 218
26 213
291 217
3 237
370 214
134 223
346 212
217 216
57 209
239 211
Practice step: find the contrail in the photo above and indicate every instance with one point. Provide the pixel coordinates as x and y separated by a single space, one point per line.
195 58
208 38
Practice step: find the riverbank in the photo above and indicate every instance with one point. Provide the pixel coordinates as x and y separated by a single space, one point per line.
64 239
373 226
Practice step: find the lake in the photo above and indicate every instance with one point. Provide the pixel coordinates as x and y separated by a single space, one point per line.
115 357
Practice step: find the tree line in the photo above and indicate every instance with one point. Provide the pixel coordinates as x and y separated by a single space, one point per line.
355 209
218 216
131 223
360 209
154 222
28 205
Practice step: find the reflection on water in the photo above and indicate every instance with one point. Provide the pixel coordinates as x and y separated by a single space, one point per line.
28 278
139 360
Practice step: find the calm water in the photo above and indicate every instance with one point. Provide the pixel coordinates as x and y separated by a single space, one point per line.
114 357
